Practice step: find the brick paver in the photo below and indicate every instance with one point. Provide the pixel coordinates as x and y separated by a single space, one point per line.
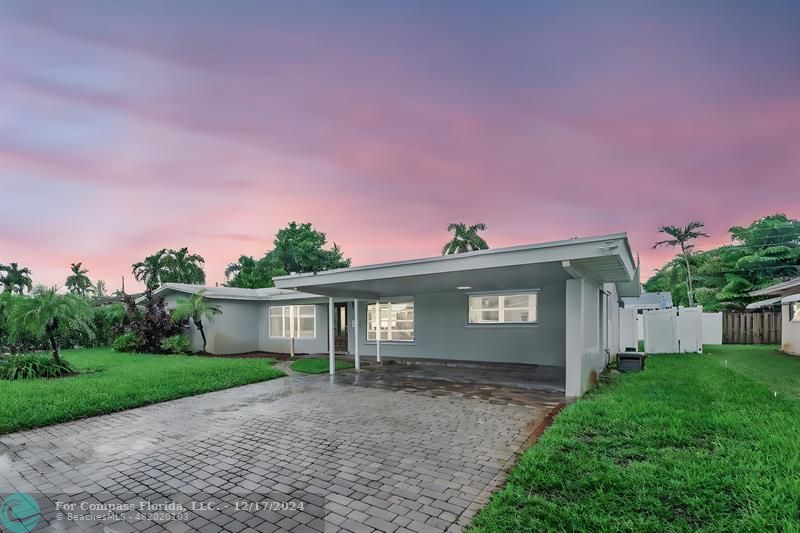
357 458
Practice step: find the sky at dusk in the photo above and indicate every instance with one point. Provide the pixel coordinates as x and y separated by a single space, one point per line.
129 127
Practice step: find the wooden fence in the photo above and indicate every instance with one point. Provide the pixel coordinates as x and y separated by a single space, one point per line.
762 327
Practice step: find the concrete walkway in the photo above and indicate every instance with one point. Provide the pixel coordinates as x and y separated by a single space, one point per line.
339 457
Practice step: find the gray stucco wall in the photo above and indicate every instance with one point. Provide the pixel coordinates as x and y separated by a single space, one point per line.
442 332
318 344
236 330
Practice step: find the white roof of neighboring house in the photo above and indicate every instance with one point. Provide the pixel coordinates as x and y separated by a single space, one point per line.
764 303
791 298
787 287
650 299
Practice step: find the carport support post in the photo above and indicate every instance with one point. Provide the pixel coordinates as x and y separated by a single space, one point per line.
355 314
331 355
378 329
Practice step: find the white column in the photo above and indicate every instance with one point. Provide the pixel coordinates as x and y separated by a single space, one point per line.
355 332
331 358
378 329
574 344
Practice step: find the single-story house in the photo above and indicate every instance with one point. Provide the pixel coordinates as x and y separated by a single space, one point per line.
787 295
554 305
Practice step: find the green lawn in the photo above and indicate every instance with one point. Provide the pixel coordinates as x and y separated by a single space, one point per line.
686 445
117 381
318 366
765 363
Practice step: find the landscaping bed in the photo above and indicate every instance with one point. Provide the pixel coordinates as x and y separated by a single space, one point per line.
108 381
688 444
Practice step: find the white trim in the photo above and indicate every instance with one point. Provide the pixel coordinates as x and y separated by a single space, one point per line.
378 321
794 311
292 309
532 308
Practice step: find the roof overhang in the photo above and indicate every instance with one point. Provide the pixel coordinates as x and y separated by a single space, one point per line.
607 258
764 303
791 299
779 289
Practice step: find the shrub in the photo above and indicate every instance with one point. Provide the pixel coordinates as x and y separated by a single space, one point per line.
151 322
32 366
176 344
127 342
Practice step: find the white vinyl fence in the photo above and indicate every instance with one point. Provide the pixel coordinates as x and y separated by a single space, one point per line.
627 329
675 330
712 328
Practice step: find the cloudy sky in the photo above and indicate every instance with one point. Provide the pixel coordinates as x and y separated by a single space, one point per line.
129 127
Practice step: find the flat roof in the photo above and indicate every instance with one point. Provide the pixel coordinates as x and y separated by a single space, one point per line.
608 258
231 293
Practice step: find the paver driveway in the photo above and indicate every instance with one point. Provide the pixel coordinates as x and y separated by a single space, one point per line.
355 458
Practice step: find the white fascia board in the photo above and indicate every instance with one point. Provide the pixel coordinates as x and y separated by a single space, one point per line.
545 253
791 299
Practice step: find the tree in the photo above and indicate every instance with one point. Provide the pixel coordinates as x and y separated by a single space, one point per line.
52 314
15 279
761 254
170 266
300 248
183 267
151 323
100 289
682 236
78 282
297 248
251 273
196 308
151 269
465 239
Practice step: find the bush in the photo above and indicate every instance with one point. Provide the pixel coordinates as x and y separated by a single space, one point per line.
176 344
32 366
127 342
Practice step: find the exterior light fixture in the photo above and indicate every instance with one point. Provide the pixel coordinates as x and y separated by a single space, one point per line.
463 288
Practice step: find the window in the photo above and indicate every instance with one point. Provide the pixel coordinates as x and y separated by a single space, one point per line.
796 312
397 321
502 308
292 321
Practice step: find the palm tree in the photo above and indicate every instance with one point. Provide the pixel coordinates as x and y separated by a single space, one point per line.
16 279
100 288
465 239
231 269
151 270
682 236
48 312
196 308
184 267
78 282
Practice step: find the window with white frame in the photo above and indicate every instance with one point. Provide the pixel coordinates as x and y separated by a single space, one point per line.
505 308
292 321
796 312
396 321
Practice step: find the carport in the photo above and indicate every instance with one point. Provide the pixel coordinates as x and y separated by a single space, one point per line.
568 317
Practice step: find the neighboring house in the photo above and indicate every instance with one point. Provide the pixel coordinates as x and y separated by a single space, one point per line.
554 305
649 301
787 294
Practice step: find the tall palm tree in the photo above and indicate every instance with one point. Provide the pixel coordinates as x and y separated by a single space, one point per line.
151 270
682 236
48 312
78 282
16 279
196 308
184 267
465 239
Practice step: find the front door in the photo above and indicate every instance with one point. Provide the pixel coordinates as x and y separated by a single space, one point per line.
340 328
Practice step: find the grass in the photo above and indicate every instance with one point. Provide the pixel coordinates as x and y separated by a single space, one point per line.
686 445
115 381
764 363
318 366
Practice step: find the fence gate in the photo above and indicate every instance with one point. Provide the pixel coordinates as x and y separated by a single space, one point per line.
751 328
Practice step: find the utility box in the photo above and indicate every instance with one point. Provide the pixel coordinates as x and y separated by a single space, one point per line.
631 361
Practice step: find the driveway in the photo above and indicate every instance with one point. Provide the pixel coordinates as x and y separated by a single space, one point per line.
354 457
